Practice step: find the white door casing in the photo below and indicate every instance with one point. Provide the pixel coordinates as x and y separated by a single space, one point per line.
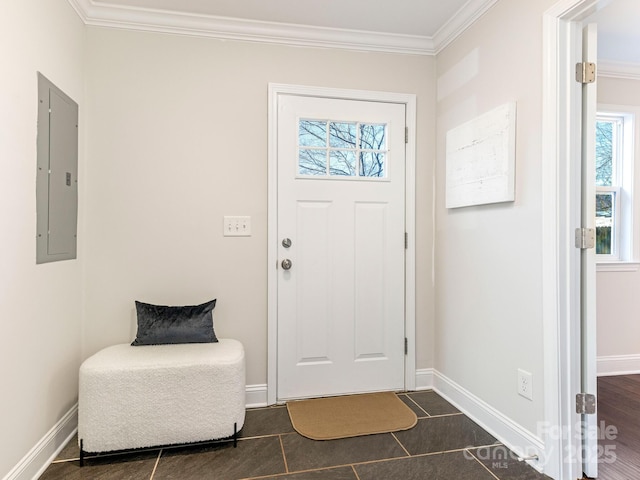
337 318
588 256
562 211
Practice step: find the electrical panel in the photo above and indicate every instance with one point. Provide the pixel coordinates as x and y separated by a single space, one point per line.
57 174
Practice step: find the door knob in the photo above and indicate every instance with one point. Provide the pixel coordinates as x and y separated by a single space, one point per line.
286 264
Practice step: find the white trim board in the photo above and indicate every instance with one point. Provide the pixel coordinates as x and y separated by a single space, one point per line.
560 214
256 396
618 365
154 20
515 437
424 379
463 19
36 461
622 70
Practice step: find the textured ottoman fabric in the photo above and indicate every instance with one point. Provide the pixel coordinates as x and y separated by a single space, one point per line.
144 396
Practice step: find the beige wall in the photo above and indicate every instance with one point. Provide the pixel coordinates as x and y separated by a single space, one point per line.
174 137
40 305
489 258
618 302
177 138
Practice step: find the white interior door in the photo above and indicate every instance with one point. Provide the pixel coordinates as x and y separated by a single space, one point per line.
588 260
341 224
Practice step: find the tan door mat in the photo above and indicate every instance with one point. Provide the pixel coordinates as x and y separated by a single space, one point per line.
350 416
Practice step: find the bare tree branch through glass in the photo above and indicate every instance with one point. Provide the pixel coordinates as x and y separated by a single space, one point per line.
341 149
604 153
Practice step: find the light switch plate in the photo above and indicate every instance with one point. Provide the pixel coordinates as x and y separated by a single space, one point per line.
237 226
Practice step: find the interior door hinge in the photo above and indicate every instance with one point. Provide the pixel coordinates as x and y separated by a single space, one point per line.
406 240
585 238
406 346
406 134
585 72
585 404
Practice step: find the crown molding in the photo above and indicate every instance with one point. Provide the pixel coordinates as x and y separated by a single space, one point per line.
102 14
463 19
623 70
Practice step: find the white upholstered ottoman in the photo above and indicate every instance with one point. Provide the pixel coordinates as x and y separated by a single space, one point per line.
143 396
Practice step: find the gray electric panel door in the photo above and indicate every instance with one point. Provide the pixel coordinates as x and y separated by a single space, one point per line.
57 178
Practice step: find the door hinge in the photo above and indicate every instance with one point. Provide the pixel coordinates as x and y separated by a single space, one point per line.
585 238
406 240
585 72
406 346
585 404
406 134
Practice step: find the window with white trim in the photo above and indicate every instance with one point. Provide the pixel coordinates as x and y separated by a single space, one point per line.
614 186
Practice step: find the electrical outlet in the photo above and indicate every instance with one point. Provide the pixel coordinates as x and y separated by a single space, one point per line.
525 384
237 226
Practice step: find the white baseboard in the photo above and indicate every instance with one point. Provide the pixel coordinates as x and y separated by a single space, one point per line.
256 396
424 379
512 435
47 449
618 365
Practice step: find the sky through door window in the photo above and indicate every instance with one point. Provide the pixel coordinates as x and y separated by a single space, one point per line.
339 149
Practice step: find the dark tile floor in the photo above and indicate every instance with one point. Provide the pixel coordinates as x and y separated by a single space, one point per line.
444 445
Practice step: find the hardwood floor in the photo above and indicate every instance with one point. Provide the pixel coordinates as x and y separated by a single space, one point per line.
619 407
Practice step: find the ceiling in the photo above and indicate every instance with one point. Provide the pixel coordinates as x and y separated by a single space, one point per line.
618 31
408 17
398 26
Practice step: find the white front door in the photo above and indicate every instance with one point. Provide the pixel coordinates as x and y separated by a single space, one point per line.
340 224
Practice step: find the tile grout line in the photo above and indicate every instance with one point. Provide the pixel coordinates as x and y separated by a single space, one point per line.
155 466
268 407
353 468
380 460
400 443
268 435
416 403
446 415
483 465
66 460
389 459
284 455
297 472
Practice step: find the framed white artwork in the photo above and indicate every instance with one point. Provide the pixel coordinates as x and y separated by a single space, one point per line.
480 158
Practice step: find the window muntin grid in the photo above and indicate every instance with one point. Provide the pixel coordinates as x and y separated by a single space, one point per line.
338 149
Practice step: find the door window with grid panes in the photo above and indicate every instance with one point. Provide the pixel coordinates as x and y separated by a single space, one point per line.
334 149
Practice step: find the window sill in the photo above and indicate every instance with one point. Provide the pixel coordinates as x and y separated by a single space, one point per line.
617 266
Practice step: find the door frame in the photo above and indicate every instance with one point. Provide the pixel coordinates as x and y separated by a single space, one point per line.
561 212
409 100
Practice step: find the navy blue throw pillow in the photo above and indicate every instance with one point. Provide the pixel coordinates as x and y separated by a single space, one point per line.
160 324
